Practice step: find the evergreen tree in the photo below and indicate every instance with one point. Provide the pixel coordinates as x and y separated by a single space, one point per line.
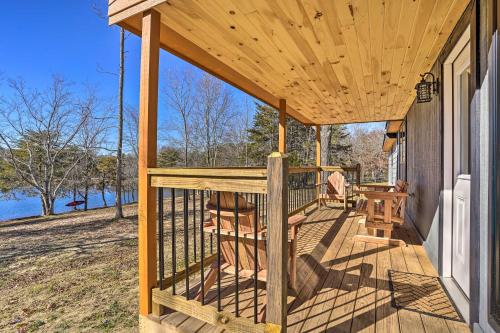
263 138
263 135
169 157
340 148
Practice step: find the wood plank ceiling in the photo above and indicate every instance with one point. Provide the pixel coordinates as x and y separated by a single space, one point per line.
334 61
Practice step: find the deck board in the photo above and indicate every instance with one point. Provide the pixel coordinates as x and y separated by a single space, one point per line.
343 285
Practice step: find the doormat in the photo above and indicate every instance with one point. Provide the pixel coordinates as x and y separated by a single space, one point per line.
423 294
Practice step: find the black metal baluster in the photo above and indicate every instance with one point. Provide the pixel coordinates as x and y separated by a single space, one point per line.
255 260
236 256
161 256
219 306
202 246
174 255
211 234
194 225
186 241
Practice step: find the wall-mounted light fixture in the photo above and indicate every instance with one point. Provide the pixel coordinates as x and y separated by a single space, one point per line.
425 88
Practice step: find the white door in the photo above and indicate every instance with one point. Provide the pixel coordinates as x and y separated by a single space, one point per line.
461 174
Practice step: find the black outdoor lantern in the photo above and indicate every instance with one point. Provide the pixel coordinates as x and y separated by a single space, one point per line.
425 89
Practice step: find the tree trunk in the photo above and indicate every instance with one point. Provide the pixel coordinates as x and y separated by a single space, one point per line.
119 157
86 198
103 195
74 196
326 135
47 204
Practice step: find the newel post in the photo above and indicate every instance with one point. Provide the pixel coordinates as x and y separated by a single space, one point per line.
277 239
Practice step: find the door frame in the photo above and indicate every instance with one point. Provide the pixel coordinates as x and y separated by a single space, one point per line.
455 292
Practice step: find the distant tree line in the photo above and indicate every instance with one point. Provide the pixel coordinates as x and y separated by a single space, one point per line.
212 129
56 143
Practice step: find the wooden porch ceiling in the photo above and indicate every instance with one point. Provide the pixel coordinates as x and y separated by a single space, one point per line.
333 61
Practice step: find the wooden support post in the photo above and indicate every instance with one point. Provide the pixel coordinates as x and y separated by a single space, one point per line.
282 127
318 163
277 239
148 109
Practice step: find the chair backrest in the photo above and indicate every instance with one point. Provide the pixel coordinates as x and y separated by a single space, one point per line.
399 203
336 184
227 205
246 216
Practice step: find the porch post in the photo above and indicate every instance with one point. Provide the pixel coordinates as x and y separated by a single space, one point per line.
148 105
277 239
282 127
318 162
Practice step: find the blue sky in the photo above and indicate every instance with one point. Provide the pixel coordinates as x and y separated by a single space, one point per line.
68 38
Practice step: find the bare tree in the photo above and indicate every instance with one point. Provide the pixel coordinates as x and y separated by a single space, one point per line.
119 155
213 116
90 140
367 151
132 130
180 96
39 135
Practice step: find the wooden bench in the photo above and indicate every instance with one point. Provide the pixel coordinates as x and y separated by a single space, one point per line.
384 208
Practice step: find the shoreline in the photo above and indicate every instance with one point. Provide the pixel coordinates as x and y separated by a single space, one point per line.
39 218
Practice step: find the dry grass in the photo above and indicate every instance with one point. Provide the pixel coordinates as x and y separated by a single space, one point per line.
75 272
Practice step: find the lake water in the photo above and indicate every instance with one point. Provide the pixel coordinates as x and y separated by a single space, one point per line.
25 206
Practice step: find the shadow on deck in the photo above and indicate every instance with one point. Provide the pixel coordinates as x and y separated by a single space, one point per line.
342 286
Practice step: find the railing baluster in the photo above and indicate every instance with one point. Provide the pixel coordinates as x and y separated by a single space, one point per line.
186 241
255 256
194 225
202 246
174 254
219 306
236 256
161 256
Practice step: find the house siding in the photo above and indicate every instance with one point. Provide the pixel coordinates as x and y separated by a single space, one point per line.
424 157
424 169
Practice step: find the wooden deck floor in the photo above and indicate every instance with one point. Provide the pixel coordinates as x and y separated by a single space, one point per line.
343 285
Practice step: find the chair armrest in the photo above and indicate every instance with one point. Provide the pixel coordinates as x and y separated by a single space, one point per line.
386 187
382 195
296 220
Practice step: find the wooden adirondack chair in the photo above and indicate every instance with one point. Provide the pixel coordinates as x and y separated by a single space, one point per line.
336 190
384 208
245 240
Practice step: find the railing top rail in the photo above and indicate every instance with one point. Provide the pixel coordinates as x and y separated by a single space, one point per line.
338 168
229 172
240 172
248 180
302 169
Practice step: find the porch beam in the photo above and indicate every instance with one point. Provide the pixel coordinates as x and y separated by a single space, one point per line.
282 127
148 112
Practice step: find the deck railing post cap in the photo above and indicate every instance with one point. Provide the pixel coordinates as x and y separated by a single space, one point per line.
277 154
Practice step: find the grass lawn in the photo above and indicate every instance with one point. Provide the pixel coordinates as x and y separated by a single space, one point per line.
75 272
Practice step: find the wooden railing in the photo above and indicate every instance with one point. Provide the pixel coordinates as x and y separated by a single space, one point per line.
192 227
193 235
301 189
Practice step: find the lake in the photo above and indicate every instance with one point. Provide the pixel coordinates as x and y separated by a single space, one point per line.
26 206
